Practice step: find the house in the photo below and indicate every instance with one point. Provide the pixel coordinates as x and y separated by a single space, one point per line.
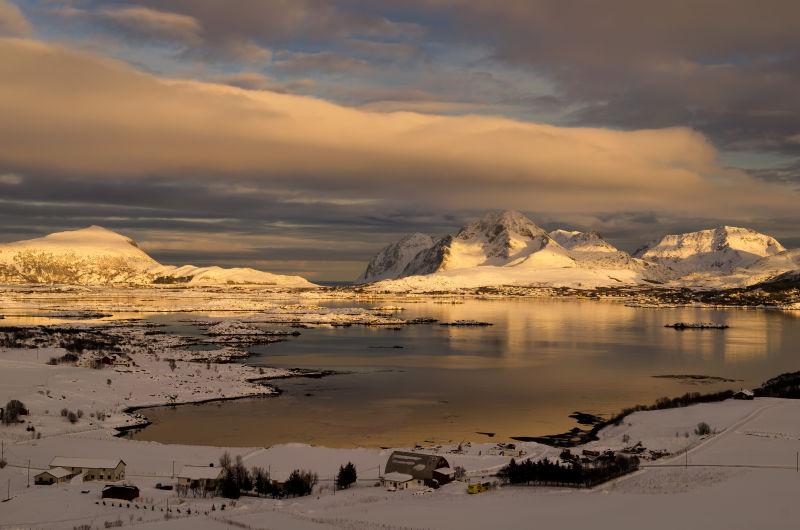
205 478
123 493
397 481
110 469
744 394
56 475
425 469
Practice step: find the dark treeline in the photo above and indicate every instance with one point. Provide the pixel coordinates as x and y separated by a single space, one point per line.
547 472
785 386
690 398
238 480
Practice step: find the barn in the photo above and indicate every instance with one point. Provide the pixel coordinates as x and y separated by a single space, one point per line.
424 469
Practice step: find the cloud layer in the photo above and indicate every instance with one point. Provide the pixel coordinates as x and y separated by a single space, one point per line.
64 112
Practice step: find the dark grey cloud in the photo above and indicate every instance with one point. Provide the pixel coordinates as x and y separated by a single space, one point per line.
729 69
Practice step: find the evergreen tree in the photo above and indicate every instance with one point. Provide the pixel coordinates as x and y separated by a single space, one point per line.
347 476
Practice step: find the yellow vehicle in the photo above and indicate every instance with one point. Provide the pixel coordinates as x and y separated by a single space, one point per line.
477 488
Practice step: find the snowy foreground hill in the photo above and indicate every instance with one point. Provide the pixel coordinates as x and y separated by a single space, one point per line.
97 256
507 248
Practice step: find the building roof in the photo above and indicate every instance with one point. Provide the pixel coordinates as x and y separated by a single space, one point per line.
200 472
397 477
418 465
86 463
57 472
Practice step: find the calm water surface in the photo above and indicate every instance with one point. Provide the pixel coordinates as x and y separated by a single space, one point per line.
542 360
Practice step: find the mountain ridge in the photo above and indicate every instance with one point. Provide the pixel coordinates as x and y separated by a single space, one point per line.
98 256
506 247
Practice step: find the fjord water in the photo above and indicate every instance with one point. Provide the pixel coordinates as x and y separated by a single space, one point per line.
541 360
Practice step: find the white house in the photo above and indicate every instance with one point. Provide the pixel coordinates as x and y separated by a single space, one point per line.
200 477
108 469
56 475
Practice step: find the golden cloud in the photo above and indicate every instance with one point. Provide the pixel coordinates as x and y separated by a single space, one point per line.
12 21
67 112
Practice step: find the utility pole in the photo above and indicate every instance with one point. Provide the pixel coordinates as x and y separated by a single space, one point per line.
29 473
173 469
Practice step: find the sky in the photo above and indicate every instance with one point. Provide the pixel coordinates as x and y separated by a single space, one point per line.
301 136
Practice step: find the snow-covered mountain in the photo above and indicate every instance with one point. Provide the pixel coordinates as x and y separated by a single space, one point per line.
97 256
718 250
506 247
499 239
392 260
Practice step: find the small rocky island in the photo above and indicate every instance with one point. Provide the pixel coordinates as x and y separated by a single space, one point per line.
696 325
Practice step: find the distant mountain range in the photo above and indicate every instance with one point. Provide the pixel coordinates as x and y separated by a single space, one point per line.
97 256
502 248
507 248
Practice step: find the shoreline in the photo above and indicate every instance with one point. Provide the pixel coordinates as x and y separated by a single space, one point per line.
272 391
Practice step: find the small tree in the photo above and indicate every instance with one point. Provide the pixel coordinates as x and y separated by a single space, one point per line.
72 417
228 486
261 482
300 483
347 476
225 460
242 475
172 364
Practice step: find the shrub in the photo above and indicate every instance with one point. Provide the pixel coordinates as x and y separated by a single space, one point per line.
12 411
347 476
72 417
64 359
702 429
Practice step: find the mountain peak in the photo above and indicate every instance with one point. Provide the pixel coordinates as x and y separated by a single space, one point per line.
510 220
582 241
719 249
390 262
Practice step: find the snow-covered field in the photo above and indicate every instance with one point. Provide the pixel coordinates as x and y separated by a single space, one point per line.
743 477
